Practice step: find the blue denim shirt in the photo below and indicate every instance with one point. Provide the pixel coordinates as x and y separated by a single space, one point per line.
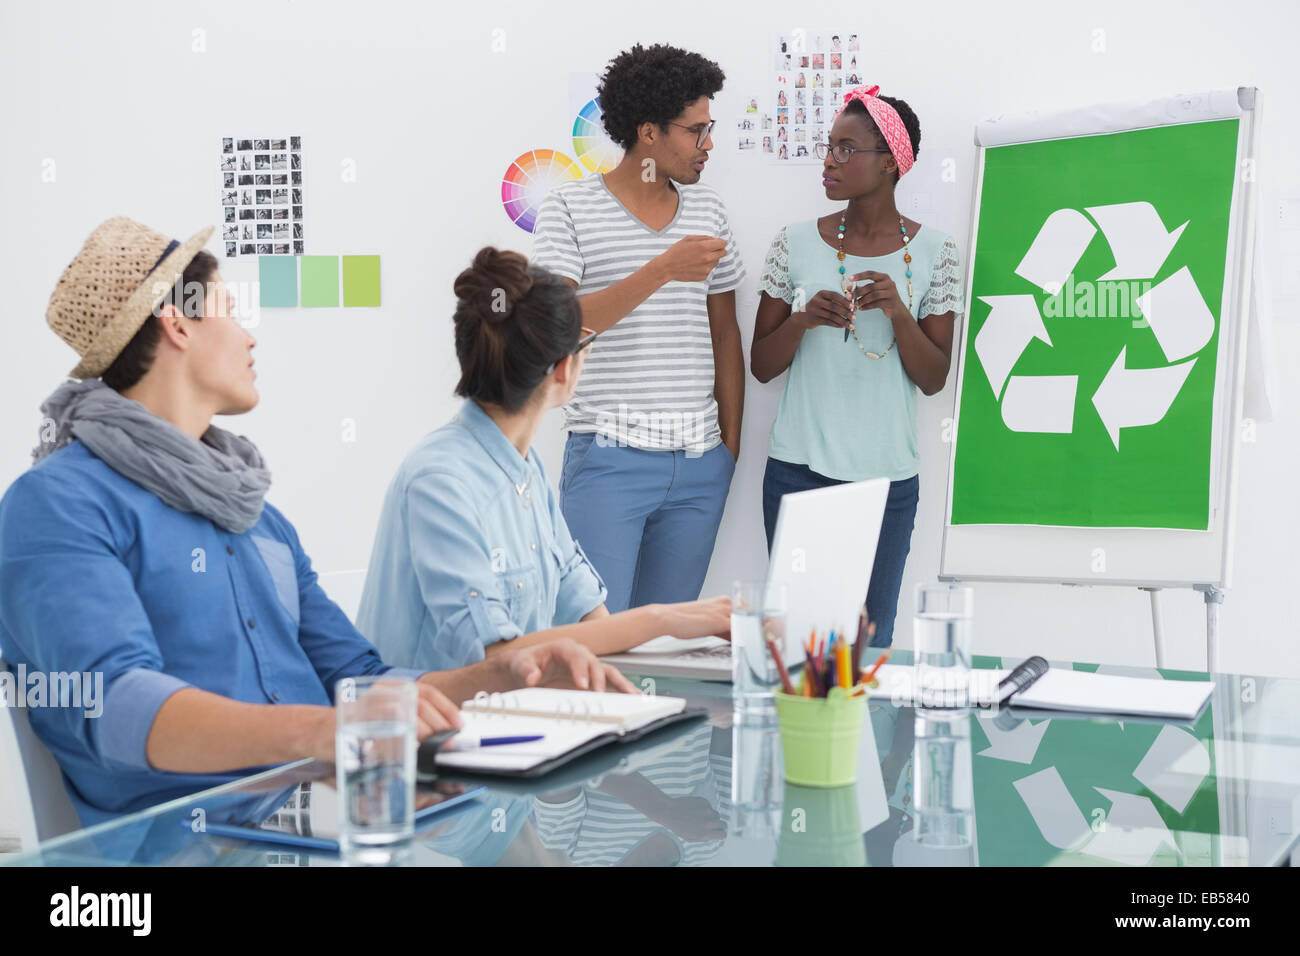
471 549
97 574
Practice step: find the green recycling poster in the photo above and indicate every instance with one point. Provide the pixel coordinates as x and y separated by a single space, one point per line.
1087 394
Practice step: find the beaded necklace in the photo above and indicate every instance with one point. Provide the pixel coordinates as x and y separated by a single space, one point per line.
844 283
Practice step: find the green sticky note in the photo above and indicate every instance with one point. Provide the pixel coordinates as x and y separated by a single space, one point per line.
277 281
320 281
361 280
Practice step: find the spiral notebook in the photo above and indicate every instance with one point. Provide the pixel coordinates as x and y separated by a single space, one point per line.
571 722
1064 690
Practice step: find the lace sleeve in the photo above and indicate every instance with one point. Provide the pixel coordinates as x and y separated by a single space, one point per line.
944 293
776 270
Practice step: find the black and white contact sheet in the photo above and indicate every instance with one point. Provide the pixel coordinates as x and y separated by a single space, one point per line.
261 196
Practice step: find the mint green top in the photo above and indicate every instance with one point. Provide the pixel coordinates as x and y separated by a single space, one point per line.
842 414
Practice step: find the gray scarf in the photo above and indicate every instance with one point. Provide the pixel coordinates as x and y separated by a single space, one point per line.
222 476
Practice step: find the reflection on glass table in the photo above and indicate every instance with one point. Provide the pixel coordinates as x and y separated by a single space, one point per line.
972 790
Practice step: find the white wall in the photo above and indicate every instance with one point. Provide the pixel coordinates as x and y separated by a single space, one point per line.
411 92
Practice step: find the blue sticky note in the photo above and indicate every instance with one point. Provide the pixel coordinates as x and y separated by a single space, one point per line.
277 281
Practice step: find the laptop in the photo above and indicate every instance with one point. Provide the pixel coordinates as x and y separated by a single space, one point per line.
823 552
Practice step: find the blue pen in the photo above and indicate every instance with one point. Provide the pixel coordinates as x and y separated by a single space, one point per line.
461 742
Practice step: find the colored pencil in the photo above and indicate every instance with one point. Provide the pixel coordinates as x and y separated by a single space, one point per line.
780 667
872 673
810 672
860 642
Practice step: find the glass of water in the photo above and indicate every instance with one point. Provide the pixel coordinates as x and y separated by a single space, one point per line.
757 613
374 757
941 629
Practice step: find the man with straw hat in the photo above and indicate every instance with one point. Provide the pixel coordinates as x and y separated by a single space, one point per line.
138 551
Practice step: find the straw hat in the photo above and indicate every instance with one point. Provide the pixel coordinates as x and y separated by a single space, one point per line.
116 281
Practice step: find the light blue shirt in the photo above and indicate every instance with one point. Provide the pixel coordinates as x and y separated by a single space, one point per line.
100 576
843 414
471 549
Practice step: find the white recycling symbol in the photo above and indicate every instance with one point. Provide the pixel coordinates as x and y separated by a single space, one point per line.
1174 309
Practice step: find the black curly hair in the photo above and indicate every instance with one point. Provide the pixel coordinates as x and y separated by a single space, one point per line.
653 85
905 113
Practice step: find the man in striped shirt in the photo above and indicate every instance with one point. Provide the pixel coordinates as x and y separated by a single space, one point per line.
654 427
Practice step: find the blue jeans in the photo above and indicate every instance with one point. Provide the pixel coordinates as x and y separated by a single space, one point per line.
782 478
646 519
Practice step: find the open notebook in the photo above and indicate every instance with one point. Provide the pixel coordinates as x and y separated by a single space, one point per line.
1061 689
573 722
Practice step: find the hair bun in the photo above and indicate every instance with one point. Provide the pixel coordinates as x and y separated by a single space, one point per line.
496 282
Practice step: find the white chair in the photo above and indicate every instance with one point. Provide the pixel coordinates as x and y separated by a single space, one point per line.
31 784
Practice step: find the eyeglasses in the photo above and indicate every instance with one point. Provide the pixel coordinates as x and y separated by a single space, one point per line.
583 342
701 132
842 153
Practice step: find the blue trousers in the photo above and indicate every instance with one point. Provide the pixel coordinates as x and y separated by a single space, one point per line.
646 519
782 478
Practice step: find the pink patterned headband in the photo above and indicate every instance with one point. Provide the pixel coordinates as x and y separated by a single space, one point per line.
887 121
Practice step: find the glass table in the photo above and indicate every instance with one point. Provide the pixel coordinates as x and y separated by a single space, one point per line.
977 790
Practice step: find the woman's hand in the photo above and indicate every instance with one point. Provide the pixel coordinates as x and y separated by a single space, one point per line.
564 663
825 308
879 293
704 618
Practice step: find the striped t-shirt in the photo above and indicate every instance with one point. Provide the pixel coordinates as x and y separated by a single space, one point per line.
648 380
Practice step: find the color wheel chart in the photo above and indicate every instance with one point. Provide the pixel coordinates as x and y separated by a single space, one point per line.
595 149
528 180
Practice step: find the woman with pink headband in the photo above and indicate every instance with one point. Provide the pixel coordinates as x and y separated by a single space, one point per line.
859 306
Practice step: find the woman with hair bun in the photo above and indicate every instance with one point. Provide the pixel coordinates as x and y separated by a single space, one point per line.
473 554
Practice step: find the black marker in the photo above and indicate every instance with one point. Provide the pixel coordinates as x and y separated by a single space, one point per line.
1020 678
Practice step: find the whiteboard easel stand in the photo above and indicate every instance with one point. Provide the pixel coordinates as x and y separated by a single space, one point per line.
1249 100
1156 632
1213 598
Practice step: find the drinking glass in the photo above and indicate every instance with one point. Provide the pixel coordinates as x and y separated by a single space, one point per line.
375 746
757 613
941 630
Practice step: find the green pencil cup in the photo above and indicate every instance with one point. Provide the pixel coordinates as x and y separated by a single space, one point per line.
820 737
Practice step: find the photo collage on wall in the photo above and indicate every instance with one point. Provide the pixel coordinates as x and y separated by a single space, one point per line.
812 71
261 196
747 125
